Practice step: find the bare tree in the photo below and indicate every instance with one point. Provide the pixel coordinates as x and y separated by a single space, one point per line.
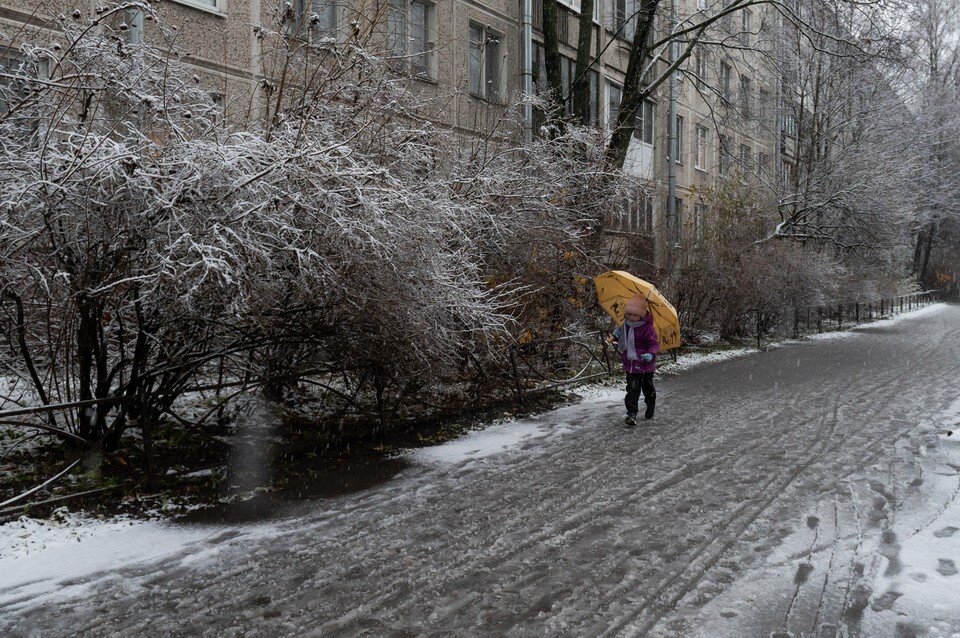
933 44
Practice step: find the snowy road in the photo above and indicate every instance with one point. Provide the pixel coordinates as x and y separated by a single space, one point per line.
809 488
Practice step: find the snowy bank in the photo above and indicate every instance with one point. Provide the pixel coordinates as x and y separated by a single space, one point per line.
39 557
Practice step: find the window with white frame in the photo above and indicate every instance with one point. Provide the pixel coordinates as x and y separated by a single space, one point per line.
614 97
703 5
786 173
725 78
410 24
485 62
644 125
700 66
789 124
577 6
212 5
639 218
700 161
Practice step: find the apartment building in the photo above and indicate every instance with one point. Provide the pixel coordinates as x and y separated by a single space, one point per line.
469 56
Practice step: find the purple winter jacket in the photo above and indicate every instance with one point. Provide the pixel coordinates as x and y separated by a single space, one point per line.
645 340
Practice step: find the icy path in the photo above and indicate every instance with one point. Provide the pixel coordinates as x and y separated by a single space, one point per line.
810 488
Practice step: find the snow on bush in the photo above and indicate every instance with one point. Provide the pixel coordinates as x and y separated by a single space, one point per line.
146 239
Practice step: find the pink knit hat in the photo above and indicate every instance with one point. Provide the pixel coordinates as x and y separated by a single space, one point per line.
636 306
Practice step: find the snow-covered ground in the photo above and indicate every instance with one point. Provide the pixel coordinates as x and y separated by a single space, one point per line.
811 488
44 559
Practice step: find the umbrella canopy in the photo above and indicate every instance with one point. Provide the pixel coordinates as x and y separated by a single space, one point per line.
616 287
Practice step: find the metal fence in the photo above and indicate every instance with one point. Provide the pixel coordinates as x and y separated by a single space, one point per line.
797 321
550 363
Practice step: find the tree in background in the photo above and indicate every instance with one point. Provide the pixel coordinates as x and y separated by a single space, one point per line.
933 48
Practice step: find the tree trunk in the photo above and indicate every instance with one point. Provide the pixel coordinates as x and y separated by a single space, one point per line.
86 346
580 88
551 53
633 93
927 249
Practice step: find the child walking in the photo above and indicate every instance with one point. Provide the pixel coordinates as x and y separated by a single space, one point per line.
637 343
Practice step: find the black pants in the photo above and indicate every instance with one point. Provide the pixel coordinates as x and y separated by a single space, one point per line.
637 383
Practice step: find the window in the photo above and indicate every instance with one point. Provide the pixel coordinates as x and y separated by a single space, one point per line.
622 17
214 5
640 213
763 163
745 90
9 88
789 124
409 24
700 67
725 74
785 173
643 127
763 105
703 5
746 26
745 157
317 19
485 75
724 143
568 75
699 215
678 150
14 89
614 96
700 161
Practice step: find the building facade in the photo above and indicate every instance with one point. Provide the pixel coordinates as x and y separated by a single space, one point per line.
718 117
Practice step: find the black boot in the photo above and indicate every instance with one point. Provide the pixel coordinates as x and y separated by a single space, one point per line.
651 404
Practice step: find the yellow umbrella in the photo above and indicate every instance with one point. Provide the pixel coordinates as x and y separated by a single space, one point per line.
616 287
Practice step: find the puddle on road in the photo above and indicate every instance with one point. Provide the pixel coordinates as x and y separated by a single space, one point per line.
302 489
257 462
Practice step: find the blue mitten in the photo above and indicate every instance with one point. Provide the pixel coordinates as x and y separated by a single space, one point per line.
646 357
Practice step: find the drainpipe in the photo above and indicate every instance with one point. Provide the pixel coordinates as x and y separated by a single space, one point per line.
527 71
672 138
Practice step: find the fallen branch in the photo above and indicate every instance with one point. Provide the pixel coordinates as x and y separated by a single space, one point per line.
18 508
37 488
